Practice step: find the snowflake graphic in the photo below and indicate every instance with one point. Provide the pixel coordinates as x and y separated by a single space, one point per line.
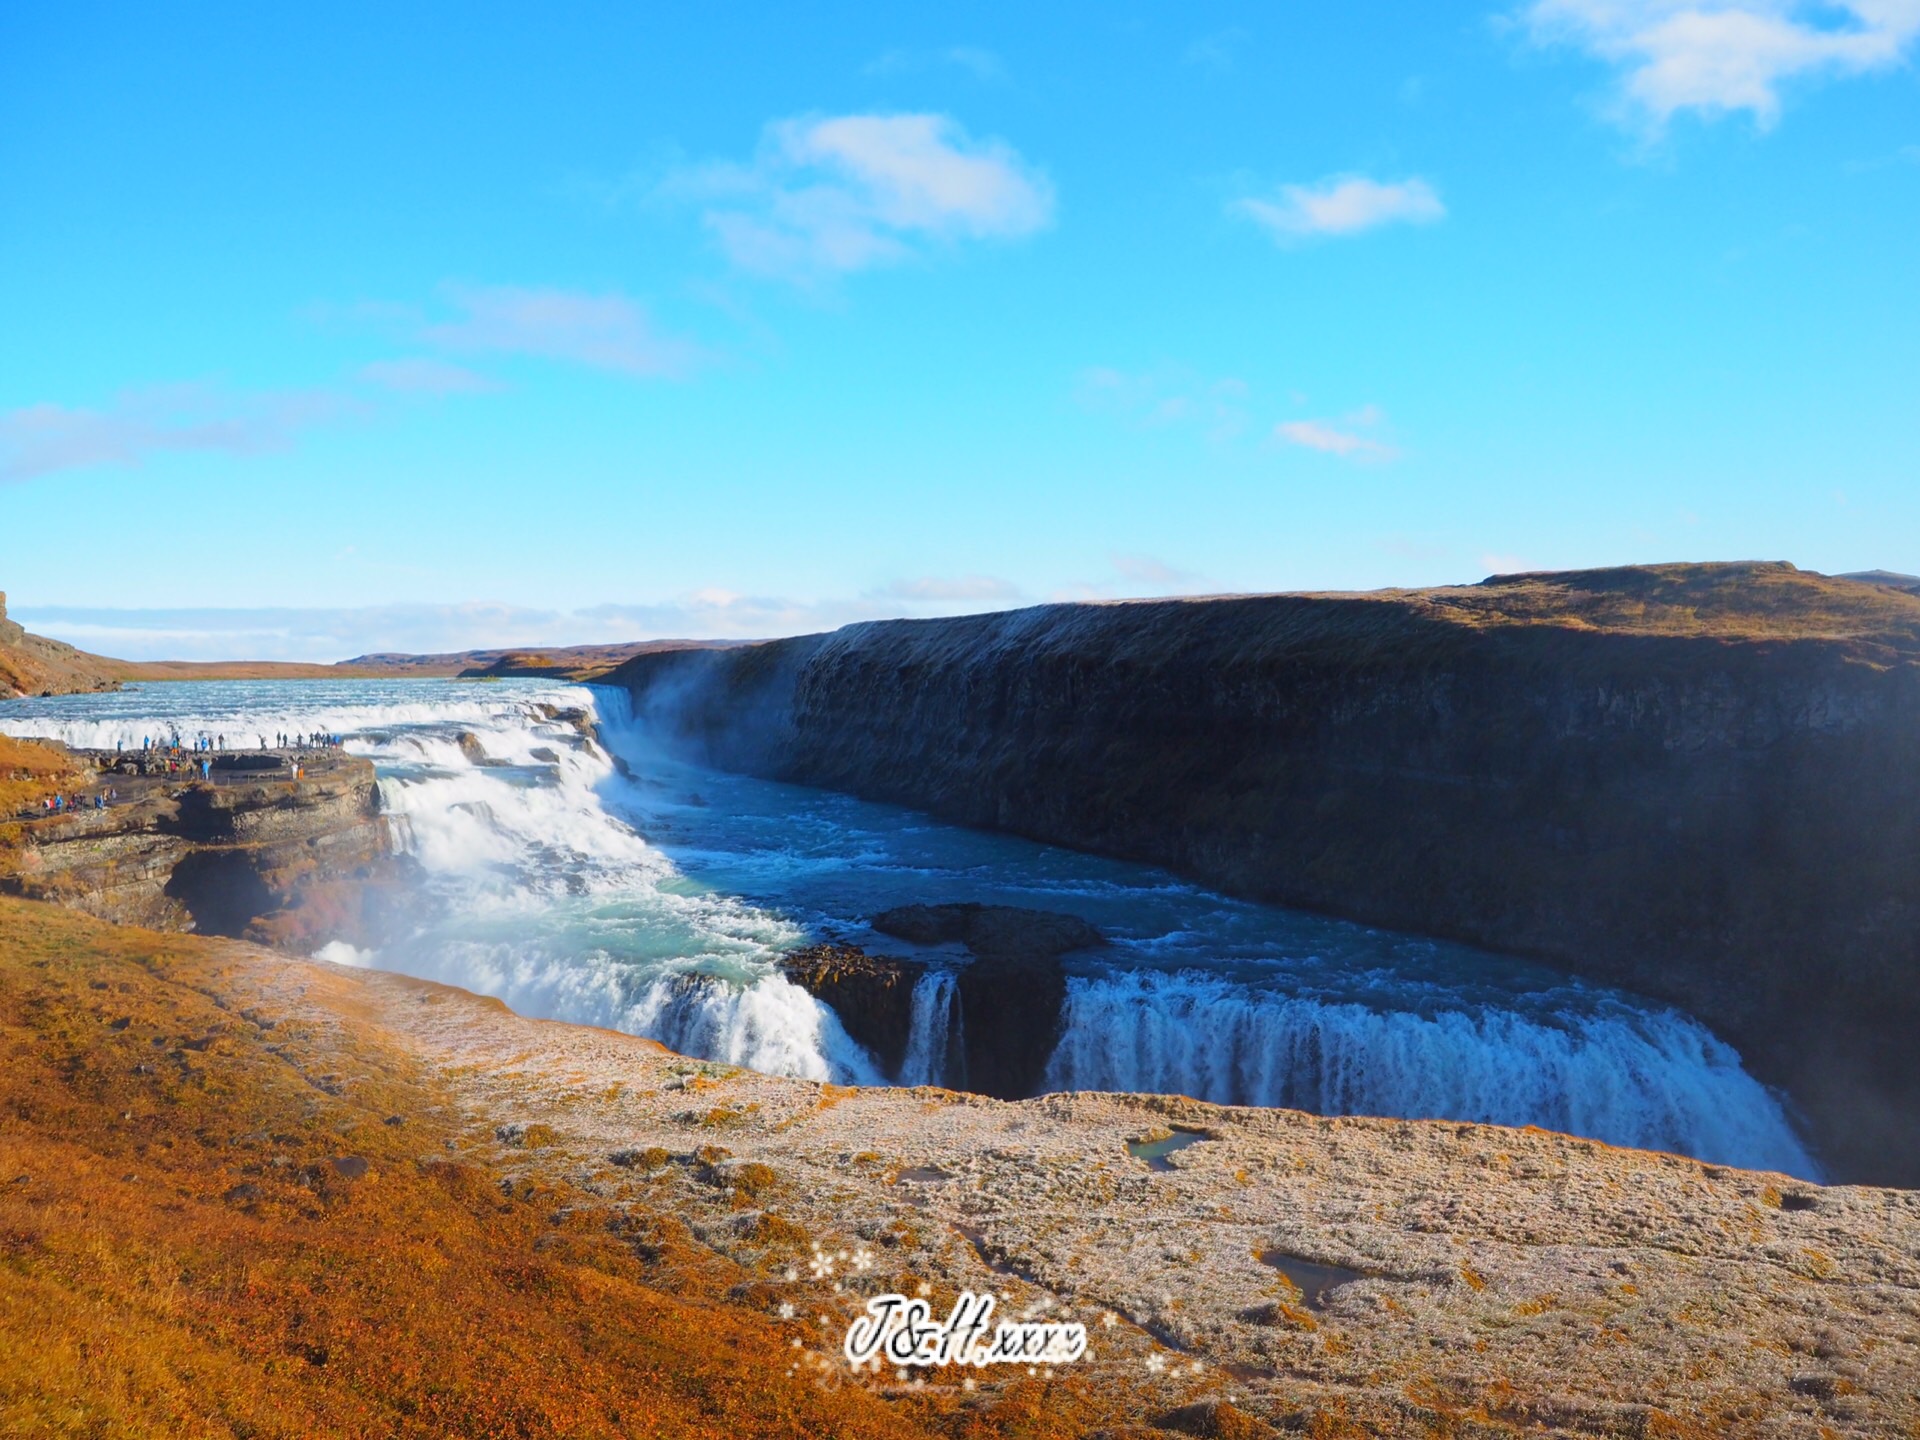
863 1259
1156 1362
821 1265
786 1311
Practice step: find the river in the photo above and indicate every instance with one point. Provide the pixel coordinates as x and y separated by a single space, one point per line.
657 902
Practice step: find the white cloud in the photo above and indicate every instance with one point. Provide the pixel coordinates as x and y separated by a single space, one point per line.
607 332
828 195
1721 56
1343 205
418 375
962 587
1340 438
44 439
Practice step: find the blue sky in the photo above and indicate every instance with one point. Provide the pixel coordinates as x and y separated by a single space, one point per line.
330 329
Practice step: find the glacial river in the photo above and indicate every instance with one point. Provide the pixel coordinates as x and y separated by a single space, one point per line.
657 903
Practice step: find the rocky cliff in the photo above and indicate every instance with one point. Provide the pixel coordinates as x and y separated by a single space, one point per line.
255 855
1700 782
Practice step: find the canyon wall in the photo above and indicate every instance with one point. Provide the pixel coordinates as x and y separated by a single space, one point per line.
284 863
1698 782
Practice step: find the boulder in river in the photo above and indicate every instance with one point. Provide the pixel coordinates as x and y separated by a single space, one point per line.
992 932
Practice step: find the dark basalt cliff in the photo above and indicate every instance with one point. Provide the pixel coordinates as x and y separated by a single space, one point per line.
1699 782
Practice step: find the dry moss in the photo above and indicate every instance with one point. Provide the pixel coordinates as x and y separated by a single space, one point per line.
181 1255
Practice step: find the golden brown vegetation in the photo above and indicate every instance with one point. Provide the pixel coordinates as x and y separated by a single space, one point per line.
29 771
231 1224
1771 600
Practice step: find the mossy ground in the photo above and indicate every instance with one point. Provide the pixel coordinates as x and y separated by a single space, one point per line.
216 1224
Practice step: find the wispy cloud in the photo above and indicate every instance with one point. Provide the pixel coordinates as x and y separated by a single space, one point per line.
978 61
604 331
1216 51
1342 205
1717 57
1146 570
1168 396
960 587
44 439
420 375
828 195
1344 438
1496 563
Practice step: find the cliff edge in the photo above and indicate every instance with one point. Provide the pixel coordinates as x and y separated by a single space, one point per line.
1701 782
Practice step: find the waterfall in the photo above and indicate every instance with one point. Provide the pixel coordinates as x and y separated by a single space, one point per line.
933 1036
1654 1079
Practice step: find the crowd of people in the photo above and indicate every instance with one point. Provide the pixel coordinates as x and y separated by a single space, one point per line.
60 804
174 754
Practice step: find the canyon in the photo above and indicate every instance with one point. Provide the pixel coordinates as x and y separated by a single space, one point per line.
1698 782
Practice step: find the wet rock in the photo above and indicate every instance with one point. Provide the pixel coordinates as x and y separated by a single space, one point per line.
872 994
1010 1016
992 932
1013 995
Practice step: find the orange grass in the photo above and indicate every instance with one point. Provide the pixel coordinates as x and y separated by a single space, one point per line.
181 1255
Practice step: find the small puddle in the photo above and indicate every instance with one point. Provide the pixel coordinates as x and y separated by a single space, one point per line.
1155 1152
920 1175
1312 1280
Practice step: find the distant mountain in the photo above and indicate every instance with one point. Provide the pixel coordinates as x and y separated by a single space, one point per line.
1890 578
570 662
34 665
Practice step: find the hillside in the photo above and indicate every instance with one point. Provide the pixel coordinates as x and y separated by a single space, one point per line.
34 665
561 662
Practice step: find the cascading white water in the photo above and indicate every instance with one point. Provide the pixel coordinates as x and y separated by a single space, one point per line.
931 1031
659 904
1648 1078
533 891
